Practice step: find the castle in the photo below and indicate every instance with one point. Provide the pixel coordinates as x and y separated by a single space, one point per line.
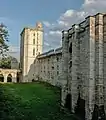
34 64
78 67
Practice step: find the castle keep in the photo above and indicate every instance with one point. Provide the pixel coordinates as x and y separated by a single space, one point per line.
79 66
30 47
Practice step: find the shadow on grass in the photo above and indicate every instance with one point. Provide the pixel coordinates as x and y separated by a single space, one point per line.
15 105
8 106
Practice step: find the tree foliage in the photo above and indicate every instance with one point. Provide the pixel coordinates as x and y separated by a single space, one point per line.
3 40
5 62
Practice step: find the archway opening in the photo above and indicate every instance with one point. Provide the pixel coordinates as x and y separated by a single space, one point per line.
1 78
33 80
70 48
80 107
9 78
18 77
68 102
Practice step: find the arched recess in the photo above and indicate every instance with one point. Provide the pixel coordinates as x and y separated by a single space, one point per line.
68 102
9 78
70 48
1 78
80 107
18 77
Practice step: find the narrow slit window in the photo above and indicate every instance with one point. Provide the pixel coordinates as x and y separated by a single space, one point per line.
34 41
33 51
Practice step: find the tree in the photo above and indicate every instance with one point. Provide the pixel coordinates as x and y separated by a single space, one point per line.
5 62
3 40
9 62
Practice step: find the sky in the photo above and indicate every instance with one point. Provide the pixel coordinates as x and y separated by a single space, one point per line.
55 15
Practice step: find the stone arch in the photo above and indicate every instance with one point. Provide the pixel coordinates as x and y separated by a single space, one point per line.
9 78
68 102
1 78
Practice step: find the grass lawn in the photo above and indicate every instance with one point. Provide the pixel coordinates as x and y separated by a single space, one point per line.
30 101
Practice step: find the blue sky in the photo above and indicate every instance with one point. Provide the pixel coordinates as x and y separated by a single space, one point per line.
55 15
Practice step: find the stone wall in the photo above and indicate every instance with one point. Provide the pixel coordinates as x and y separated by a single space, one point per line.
87 82
79 67
47 67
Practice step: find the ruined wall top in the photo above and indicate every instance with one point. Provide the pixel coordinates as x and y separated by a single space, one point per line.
81 26
50 53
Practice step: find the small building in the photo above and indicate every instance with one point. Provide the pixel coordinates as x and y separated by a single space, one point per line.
14 63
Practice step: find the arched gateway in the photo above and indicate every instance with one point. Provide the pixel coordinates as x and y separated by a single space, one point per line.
9 75
9 78
1 78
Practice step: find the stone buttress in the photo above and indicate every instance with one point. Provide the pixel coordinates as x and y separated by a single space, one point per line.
64 65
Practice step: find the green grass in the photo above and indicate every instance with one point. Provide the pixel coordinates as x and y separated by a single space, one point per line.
30 101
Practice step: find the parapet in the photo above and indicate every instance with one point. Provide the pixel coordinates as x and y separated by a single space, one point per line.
58 50
83 24
50 53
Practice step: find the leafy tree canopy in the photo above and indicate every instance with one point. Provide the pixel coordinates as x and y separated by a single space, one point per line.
5 62
3 40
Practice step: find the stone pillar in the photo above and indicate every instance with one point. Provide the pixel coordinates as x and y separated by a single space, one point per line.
75 65
5 77
104 51
55 71
69 61
99 93
14 77
90 81
64 64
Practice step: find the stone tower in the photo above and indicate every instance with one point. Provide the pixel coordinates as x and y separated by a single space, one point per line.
30 46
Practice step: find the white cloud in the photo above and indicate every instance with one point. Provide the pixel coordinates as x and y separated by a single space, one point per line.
56 33
70 17
67 14
88 2
93 6
47 44
46 23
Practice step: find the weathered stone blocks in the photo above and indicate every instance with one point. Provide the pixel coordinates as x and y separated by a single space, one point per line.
88 71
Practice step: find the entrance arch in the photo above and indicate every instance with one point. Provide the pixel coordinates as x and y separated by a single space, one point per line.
68 102
9 78
1 78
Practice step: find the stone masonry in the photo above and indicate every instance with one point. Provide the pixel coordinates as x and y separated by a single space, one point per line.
84 67
79 66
